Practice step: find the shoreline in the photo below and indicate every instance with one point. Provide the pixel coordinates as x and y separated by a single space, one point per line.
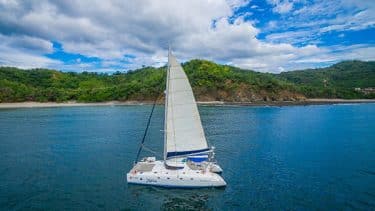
206 103
315 101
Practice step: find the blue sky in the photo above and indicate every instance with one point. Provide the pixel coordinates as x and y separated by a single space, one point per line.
106 36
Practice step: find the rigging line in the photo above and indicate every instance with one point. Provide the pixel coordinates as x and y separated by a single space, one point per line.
146 130
151 151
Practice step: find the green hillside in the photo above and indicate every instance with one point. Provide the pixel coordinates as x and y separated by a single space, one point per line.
336 81
42 85
210 81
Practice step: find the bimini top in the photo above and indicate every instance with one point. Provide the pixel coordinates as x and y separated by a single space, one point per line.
184 134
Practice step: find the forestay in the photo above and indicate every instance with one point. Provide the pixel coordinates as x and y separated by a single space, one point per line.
184 133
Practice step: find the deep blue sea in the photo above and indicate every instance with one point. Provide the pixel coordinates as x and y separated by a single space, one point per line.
274 158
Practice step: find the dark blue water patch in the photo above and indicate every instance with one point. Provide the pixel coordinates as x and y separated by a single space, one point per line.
298 157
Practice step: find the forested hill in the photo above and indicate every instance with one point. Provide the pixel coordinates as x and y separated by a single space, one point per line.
210 81
349 79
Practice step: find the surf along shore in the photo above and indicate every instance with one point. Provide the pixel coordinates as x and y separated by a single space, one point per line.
218 103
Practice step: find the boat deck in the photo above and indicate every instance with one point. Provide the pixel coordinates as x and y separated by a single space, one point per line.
193 166
155 173
143 167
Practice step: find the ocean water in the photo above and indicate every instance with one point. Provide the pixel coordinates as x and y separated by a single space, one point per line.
290 158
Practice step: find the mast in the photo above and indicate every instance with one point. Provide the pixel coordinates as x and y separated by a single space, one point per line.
166 106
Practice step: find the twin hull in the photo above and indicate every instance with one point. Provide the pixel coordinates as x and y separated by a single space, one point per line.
156 174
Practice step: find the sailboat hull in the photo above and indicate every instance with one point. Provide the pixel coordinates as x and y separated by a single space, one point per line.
156 174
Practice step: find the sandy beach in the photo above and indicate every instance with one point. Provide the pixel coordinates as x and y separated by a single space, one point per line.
115 103
66 104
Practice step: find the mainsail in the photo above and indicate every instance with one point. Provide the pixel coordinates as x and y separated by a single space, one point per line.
184 133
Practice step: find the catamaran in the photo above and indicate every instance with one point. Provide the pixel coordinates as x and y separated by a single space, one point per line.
188 160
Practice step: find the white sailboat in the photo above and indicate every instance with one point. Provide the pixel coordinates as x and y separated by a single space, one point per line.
188 161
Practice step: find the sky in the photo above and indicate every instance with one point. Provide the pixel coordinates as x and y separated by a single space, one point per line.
120 35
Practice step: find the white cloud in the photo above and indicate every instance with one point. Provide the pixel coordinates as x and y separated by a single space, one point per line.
332 15
292 37
111 29
314 19
237 3
281 6
361 20
25 51
17 58
336 54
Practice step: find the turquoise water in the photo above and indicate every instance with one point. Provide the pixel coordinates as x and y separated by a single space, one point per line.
296 157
